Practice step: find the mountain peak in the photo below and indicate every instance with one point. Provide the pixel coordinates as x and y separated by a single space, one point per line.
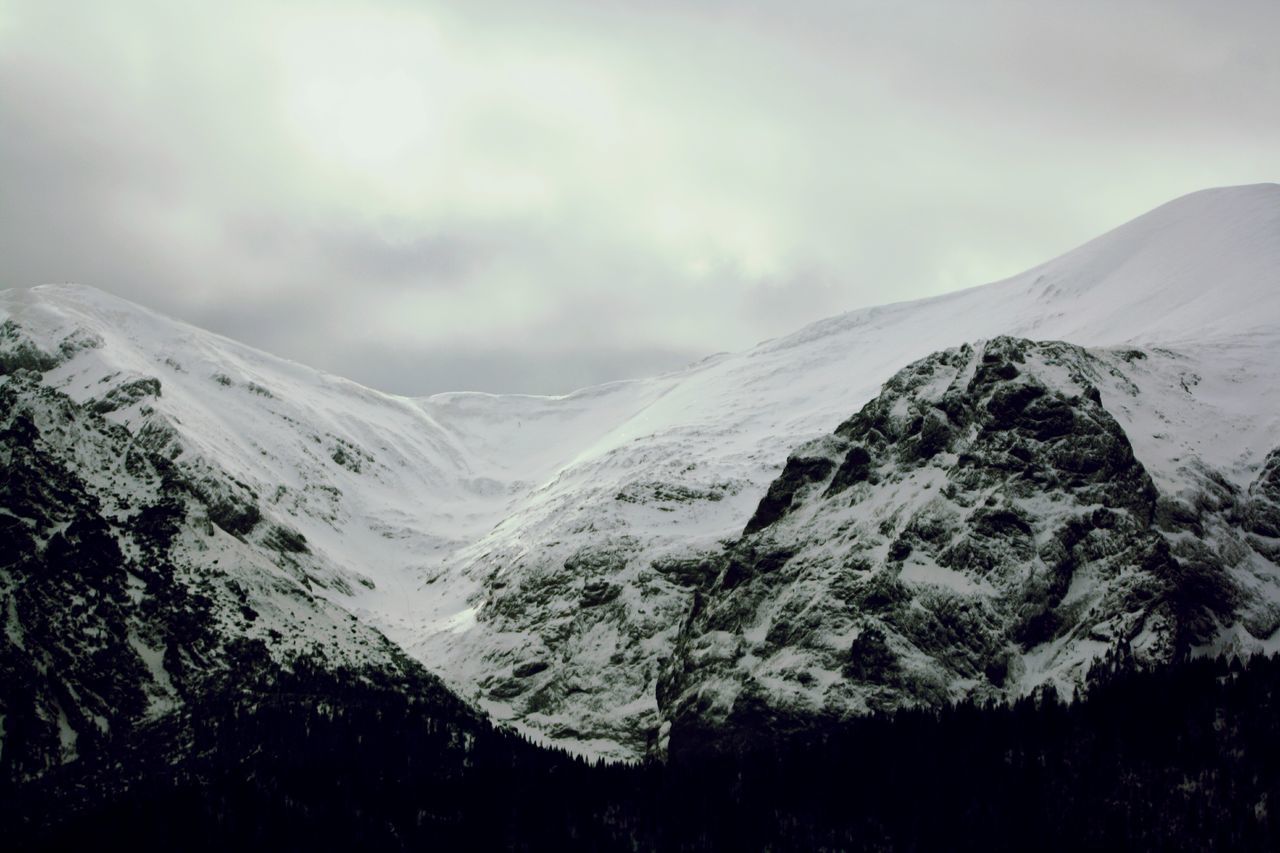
1201 266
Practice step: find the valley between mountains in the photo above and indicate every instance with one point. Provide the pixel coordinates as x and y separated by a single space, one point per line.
975 495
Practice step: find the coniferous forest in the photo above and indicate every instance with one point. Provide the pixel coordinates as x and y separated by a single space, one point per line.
1180 758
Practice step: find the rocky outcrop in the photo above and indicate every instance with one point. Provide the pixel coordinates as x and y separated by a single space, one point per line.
128 597
1262 509
979 529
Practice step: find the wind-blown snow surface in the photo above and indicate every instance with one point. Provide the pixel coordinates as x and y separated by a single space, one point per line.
541 552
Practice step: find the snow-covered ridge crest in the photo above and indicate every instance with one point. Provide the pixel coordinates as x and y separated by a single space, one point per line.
541 552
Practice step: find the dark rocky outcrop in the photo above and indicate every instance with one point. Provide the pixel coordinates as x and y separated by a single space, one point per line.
978 528
122 606
1262 511
127 394
799 472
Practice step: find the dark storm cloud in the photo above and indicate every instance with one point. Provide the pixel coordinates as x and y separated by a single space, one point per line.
532 196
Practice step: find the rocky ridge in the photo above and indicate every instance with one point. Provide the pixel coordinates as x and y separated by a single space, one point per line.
978 530
134 594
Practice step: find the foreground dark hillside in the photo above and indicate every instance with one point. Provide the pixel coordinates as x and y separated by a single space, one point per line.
1184 758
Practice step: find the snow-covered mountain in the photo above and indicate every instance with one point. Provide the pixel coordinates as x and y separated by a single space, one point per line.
982 527
543 554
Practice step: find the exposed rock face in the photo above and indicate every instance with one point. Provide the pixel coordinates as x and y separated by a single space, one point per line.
596 619
127 597
979 528
1225 551
1262 510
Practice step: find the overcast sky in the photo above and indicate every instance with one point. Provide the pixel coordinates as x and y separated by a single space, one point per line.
514 195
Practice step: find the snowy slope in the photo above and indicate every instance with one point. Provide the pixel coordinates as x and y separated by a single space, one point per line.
1199 274
541 553
383 485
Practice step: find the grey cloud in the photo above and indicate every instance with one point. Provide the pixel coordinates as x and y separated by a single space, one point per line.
362 254
823 155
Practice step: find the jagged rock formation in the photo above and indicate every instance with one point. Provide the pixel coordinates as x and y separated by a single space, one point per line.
980 528
132 595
